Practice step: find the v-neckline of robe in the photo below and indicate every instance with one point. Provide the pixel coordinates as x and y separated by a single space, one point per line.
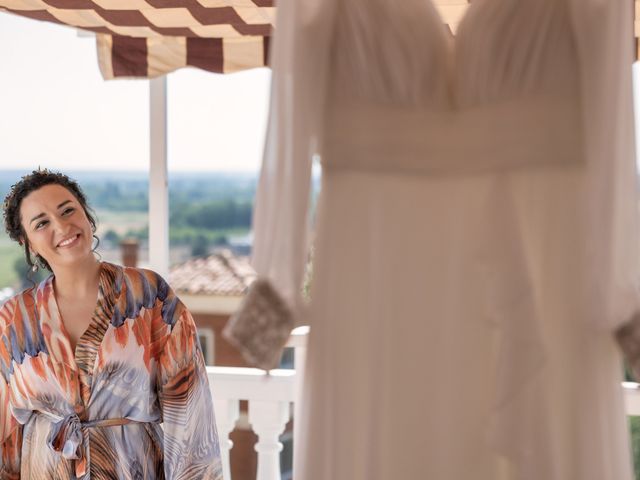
82 355
63 327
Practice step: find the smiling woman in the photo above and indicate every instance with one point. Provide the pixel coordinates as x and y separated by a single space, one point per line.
95 345
31 207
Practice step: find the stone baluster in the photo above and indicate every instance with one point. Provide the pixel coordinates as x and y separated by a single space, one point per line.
269 419
227 414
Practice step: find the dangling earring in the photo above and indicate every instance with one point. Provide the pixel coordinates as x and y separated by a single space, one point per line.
37 264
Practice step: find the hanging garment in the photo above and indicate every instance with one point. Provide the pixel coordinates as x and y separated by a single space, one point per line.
475 245
95 413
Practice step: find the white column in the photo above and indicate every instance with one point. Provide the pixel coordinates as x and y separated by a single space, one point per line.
227 413
158 177
268 420
298 341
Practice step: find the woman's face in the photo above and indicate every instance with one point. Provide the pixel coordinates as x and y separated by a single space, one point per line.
56 225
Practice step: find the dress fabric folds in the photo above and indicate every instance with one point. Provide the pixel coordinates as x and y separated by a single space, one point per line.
475 244
96 413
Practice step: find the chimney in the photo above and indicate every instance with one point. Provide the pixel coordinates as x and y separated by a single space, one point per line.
129 248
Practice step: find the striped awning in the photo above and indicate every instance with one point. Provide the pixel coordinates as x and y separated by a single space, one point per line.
147 38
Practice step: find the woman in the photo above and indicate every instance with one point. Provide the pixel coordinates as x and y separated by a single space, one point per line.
85 383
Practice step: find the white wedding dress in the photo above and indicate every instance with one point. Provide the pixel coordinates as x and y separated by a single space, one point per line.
475 244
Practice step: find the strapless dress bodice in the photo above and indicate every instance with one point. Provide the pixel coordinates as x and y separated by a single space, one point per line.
503 93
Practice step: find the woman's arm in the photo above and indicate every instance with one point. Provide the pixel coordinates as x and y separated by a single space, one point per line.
191 448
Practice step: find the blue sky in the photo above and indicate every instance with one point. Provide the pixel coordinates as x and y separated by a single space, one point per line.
57 112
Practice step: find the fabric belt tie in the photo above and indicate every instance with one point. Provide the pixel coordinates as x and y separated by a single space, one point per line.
69 437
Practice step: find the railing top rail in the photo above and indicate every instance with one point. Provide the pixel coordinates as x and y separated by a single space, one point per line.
235 383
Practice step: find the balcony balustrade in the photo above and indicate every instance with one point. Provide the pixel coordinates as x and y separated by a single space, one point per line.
272 399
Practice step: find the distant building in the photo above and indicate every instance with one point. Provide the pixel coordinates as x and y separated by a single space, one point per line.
221 274
241 245
212 288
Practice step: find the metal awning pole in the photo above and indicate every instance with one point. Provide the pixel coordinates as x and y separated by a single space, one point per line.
158 177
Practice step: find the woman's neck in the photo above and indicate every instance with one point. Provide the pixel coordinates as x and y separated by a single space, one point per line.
79 280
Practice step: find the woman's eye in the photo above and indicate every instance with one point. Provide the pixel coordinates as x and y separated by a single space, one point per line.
39 225
68 211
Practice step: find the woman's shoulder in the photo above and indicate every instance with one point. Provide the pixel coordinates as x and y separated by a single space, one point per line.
143 287
135 277
23 302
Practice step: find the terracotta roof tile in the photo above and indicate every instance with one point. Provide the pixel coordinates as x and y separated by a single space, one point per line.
220 274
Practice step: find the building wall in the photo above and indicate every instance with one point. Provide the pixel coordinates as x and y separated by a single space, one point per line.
226 354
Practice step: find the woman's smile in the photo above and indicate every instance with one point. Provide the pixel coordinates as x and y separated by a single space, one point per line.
69 241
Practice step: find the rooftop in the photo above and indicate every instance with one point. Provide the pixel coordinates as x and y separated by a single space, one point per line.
219 274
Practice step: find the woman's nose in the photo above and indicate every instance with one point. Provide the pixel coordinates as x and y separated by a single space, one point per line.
60 225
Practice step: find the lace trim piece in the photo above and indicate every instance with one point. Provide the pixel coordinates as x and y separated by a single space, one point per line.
628 337
262 325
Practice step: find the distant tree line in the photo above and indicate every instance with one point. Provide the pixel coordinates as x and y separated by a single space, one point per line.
115 196
213 215
204 209
128 191
120 194
200 226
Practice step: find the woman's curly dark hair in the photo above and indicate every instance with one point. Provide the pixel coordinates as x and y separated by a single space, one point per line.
27 184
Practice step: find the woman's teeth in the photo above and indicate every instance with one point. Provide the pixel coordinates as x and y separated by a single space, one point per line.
68 241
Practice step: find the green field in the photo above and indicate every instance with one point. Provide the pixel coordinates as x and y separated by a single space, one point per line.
9 253
120 222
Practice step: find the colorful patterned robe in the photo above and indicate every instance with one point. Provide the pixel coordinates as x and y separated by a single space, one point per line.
95 413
